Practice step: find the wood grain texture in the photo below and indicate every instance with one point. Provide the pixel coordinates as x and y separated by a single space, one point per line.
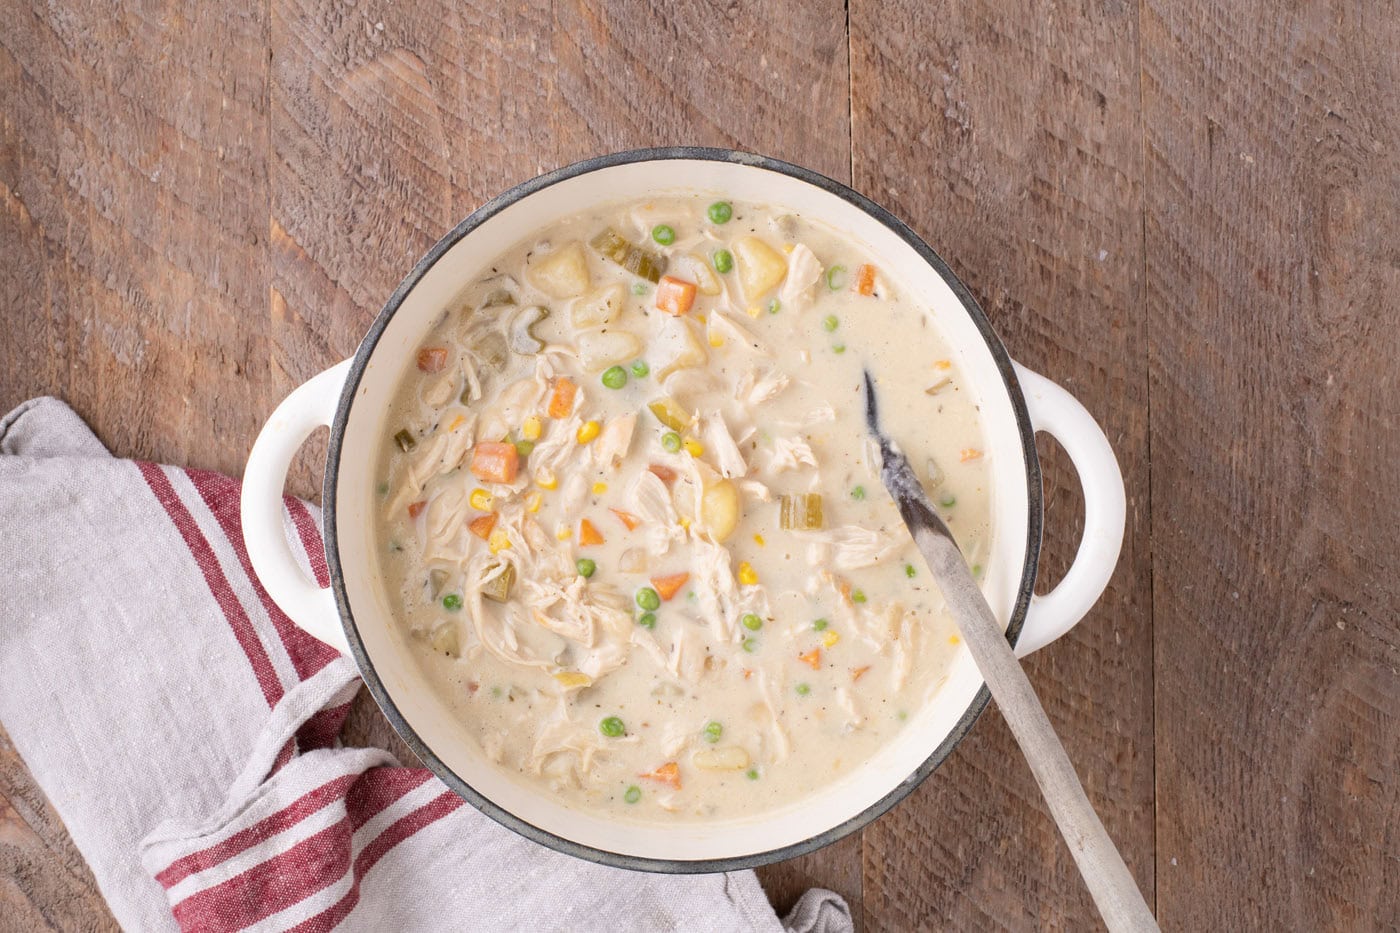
1273 291
1012 142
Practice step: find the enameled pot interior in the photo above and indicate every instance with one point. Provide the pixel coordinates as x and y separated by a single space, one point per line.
386 658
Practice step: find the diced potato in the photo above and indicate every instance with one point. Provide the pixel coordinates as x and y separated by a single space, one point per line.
499 587
728 758
677 346
599 308
670 413
761 267
444 639
599 349
719 509
563 273
697 270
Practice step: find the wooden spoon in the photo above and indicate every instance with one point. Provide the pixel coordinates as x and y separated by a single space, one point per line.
1112 886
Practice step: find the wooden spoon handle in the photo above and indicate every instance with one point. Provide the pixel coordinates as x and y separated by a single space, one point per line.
1108 879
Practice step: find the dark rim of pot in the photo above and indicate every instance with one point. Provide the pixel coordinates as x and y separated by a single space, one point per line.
366 664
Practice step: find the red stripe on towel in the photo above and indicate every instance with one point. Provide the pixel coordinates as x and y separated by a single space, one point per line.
269 826
322 729
310 539
222 496
369 856
214 577
318 861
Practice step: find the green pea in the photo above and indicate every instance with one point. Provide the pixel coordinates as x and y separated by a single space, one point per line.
640 368
750 645
858 493
901 715
720 212
671 441
382 489
836 277
775 306
586 567
524 448
723 260
612 727
751 774
909 571
614 377
948 500
633 794
713 731
839 348
820 625
663 234
858 596
639 288
647 620
452 602
751 621
803 690
830 323
648 600
977 570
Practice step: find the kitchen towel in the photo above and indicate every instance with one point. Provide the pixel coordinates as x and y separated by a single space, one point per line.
187 732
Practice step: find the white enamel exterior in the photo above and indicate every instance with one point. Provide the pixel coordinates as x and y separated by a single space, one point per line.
392 658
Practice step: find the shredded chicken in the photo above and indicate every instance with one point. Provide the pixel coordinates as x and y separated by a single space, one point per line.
720 445
790 453
803 273
854 546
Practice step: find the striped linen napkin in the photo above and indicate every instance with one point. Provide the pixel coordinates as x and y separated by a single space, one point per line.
186 731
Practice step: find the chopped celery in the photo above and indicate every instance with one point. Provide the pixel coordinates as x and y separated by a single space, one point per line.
640 262
801 512
498 588
405 440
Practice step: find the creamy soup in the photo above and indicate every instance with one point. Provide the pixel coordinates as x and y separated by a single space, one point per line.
633 522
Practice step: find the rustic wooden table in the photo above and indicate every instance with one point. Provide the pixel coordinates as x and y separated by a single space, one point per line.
1185 211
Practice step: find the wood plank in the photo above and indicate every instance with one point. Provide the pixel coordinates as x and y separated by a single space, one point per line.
393 122
133 225
1273 288
1011 141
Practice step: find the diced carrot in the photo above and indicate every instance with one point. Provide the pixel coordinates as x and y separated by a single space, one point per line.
865 279
561 402
432 359
662 472
669 774
812 659
858 672
844 587
416 508
747 673
668 585
587 534
627 518
495 462
481 525
970 453
674 296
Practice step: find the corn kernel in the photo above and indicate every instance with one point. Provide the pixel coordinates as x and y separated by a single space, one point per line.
758 539
747 575
533 501
693 447
588 431
499 541
481 500
599 488
954 640
531 429
716 340
683 522
788 247
563 532
943 364
830 638
573 678
753 310
546 479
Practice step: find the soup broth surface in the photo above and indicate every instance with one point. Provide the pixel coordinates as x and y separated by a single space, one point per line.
632 520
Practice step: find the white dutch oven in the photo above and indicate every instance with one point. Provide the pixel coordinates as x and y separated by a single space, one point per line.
355 616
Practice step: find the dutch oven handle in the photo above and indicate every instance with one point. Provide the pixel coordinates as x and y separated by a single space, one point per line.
310 406
1059 414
